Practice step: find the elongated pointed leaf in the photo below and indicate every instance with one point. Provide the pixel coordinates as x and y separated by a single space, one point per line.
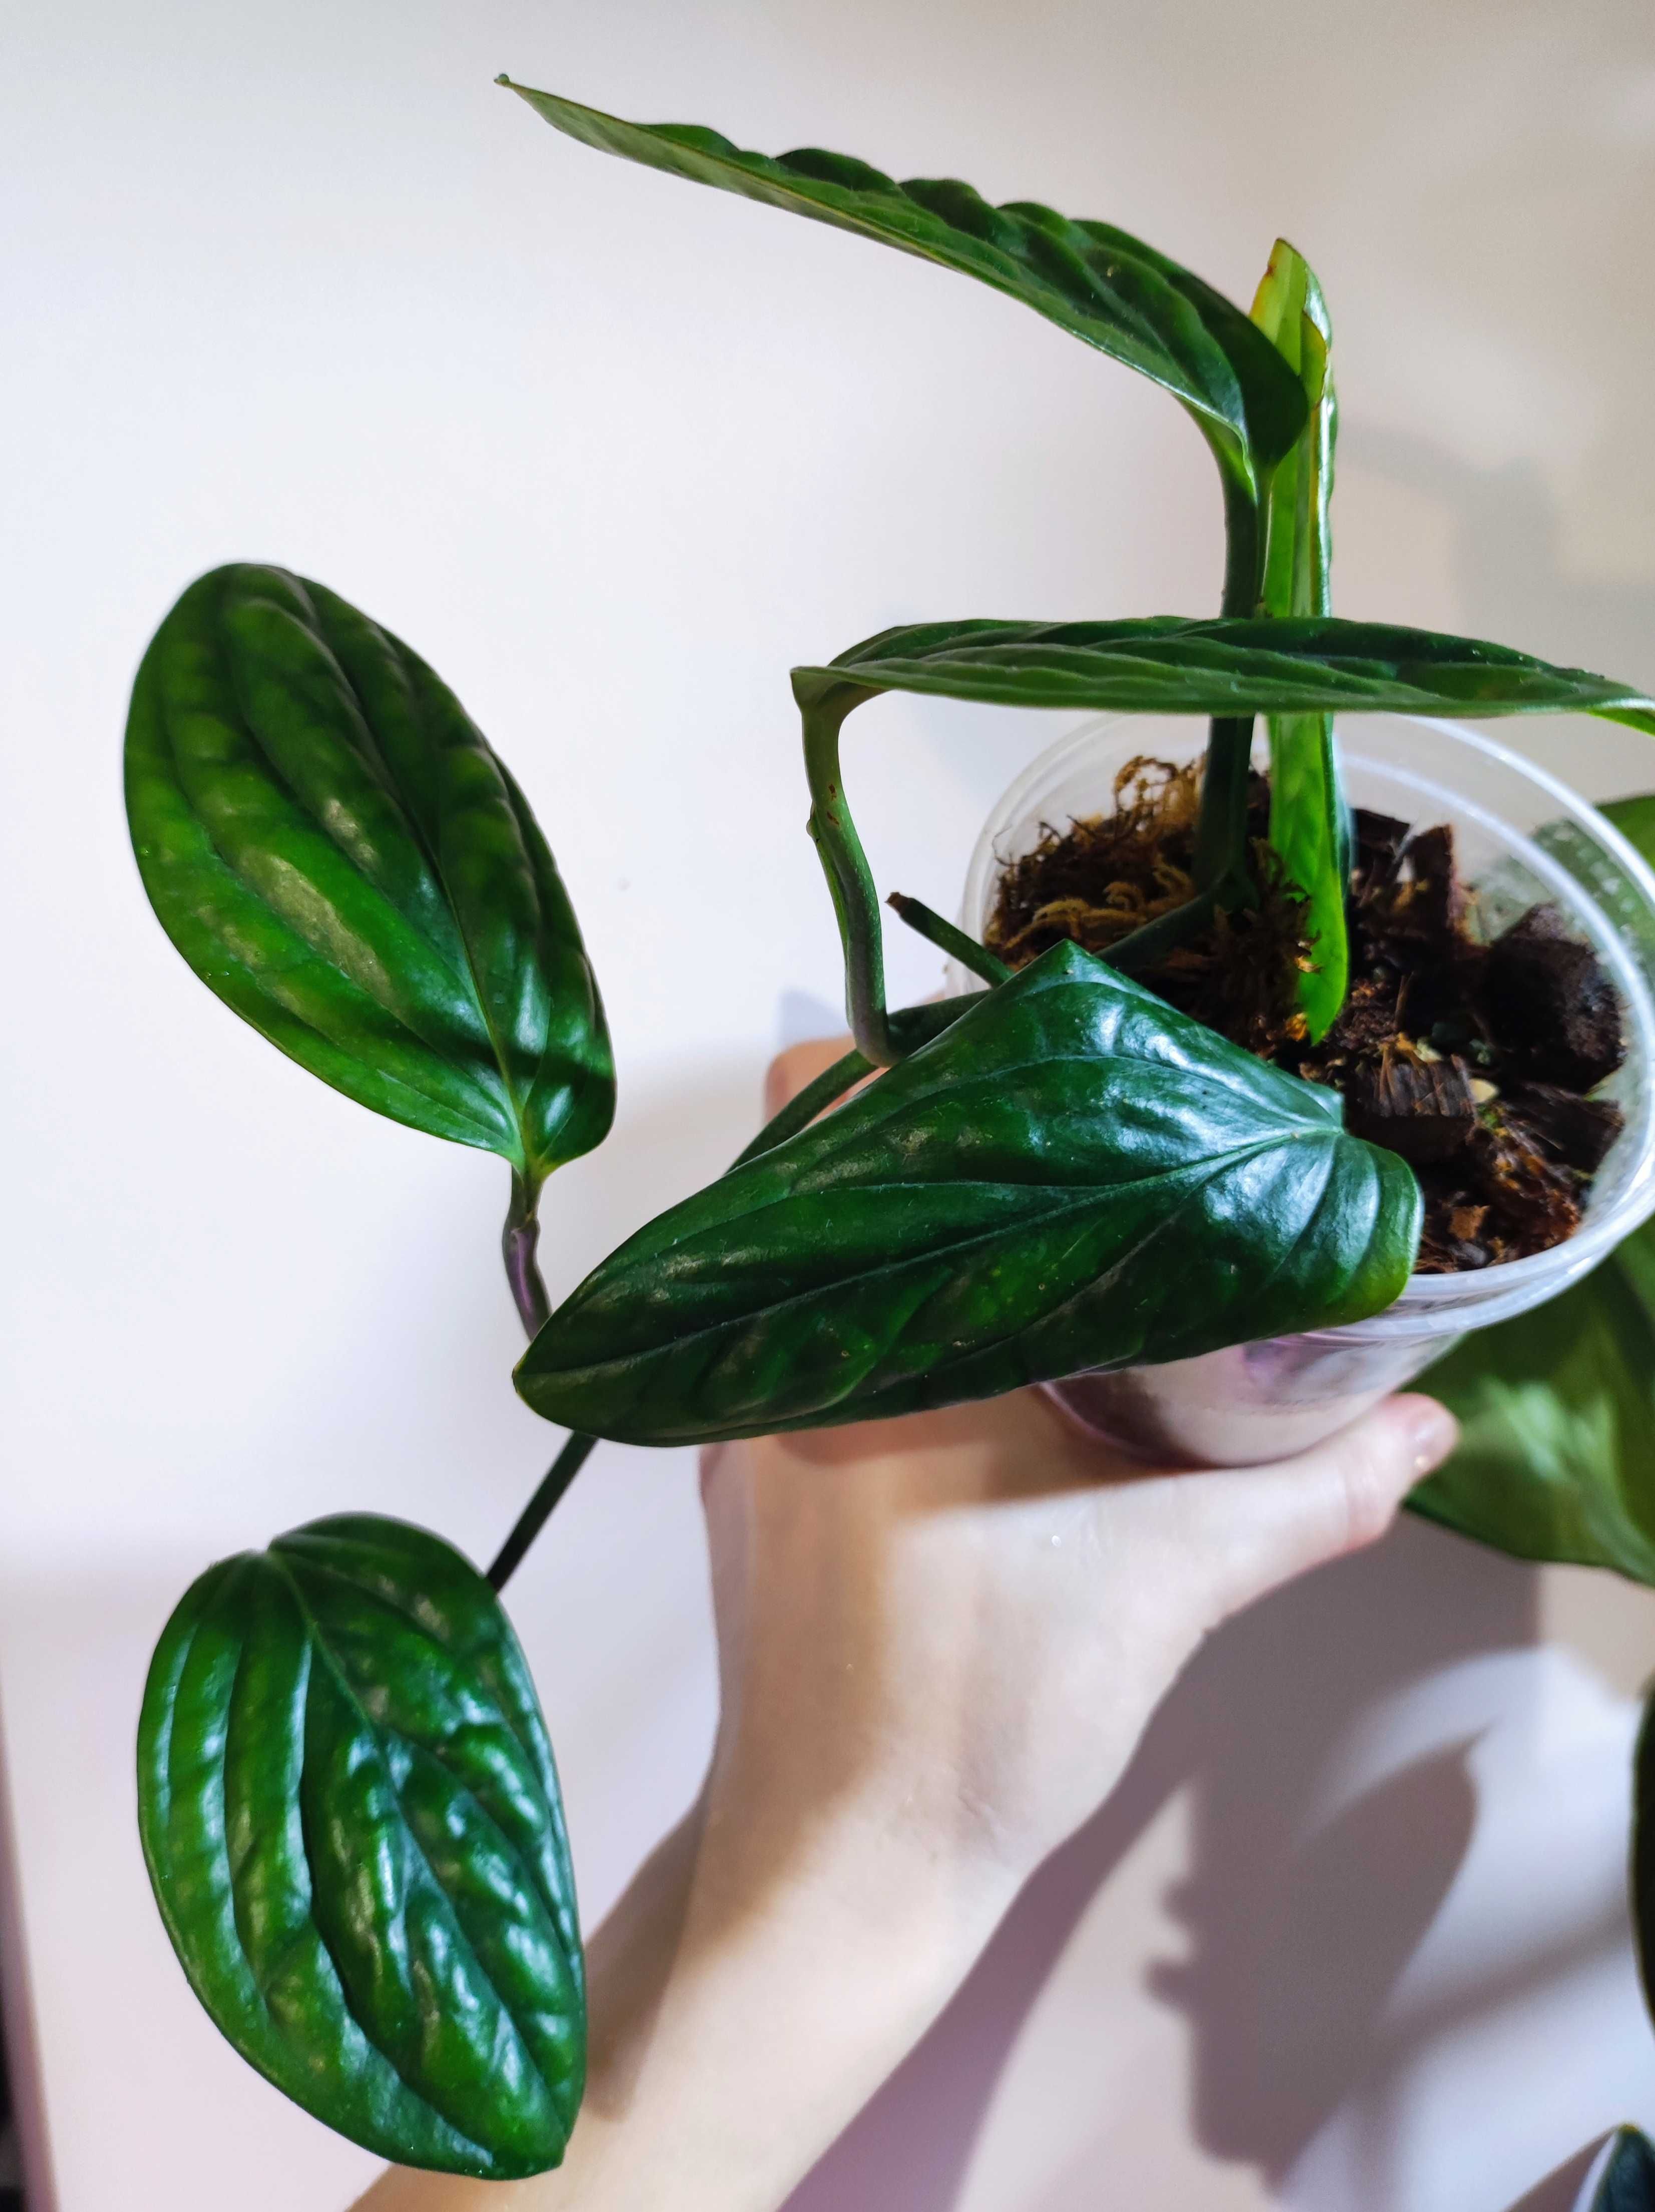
1628 2181
1091 279
1072 1176
1556 1459
1168 664
1290 309
332 845
351 1819
1307 809
1226 668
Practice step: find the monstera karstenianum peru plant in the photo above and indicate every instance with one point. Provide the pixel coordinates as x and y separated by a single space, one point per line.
348 1804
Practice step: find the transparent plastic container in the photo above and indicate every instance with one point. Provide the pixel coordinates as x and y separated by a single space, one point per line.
1521 837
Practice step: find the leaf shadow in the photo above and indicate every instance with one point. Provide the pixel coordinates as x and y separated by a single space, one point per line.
1290 2005
1508 557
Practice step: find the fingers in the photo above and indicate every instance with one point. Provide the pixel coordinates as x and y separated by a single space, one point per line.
1258 1527
790 1070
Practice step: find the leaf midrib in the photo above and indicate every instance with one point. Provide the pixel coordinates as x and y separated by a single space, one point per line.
1199 1172
466 980
316 1639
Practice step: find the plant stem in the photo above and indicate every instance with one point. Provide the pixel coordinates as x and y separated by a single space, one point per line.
911 1026
1145 946
855 900
533 1517
1220 860
944 935
517 1240
1244 543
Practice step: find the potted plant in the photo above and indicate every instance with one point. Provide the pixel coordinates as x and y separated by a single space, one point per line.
1094 1166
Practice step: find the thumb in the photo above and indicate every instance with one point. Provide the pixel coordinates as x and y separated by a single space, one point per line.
1263 1525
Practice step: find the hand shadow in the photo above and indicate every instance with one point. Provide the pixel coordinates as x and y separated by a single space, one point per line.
1508 557
1297 1944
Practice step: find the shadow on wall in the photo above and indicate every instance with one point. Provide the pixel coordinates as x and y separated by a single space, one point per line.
1304 1922
1507 557
1308 1899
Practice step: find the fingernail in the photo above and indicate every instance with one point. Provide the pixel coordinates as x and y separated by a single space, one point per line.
1430 1429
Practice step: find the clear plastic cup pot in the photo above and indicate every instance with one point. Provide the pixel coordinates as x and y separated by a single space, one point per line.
1521 837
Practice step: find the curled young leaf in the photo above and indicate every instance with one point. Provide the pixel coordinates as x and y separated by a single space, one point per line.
1072 1176
1092 280
1291 311
334 848
351 1819
1307 811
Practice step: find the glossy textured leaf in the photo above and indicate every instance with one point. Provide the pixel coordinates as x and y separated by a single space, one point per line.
1628 2181
1290 309
1226 668
1307 809
1641 1868
1093 280
352 1820
1073 1175
1635 818
333 847
1557 1458
1557 1408
1170 664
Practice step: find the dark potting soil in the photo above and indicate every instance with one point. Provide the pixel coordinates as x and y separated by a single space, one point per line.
1474 1060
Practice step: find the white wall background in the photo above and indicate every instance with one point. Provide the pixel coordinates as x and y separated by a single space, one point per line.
300 284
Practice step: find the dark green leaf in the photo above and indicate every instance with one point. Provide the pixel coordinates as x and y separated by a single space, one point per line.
1227 668
1557 1459
1307 810
1641 1867
1628 2179
1168 664
1093 280
332 845
1635 820
1072 1176
351 1819
1290 309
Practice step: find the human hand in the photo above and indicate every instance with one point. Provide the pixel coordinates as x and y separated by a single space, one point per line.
958 1624
939 1640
